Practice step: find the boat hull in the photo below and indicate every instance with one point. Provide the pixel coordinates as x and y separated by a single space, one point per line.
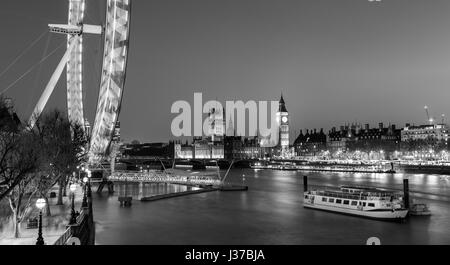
397 215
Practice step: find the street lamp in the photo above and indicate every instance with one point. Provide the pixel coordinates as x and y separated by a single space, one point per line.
89 194
73 217
40 204
84 204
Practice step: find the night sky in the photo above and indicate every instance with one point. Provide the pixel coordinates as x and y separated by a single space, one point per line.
335 61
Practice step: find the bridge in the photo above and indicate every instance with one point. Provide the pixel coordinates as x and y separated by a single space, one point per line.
156 176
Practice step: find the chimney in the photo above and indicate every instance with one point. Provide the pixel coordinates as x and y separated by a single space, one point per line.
380 125
367 127
407 125
315 131
342 128
393 127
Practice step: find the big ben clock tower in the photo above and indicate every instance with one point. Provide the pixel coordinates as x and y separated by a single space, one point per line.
283 121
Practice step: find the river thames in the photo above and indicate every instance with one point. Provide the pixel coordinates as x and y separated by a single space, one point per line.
270 212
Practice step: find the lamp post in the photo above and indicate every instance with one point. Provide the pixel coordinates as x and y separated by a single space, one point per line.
85 181
73 217
89 193
79 172
40 204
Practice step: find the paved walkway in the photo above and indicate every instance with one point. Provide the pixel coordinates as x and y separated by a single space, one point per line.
53 226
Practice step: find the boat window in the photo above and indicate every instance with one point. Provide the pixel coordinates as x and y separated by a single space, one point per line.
324 199
371 204
338 201
331 200
346 202
364 204
306 196
354 203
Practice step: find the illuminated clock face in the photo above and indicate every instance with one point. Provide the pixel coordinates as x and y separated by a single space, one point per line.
284 119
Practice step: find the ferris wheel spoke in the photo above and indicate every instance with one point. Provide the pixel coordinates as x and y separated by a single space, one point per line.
115 54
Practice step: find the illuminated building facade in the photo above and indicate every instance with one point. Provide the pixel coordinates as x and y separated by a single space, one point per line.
356 137
283 121
310 143
438 132
116 134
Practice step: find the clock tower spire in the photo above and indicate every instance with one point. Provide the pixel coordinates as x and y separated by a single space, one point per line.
283 121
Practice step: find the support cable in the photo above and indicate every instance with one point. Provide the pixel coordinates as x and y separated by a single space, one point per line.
23 53
32 67
38 73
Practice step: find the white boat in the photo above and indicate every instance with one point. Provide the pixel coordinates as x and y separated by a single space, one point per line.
363 202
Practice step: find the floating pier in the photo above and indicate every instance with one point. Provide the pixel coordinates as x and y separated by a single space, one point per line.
176 194
233 188
125 200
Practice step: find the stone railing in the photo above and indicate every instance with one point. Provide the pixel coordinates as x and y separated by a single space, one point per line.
81 233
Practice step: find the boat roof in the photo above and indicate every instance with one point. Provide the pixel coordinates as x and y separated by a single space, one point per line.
364 188
354 196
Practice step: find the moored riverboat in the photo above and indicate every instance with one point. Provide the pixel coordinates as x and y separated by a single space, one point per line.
363 202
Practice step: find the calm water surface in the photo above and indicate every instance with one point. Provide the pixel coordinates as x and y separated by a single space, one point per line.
270 212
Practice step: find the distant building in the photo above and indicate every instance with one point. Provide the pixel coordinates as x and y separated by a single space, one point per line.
116 133
184 151
216 125
311 143
356 137
147 150
283 121
87 128
223 143
199 149
438 132
237 147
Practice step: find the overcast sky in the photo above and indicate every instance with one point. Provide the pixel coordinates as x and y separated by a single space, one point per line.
336 61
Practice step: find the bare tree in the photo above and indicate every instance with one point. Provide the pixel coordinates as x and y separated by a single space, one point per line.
33 160
19 175
18 156
63 147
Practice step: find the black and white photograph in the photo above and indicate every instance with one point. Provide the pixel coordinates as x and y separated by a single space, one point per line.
225 123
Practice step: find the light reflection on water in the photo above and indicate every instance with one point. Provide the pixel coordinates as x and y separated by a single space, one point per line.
271 212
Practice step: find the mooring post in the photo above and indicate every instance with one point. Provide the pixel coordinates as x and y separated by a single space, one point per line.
406 193
305 183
